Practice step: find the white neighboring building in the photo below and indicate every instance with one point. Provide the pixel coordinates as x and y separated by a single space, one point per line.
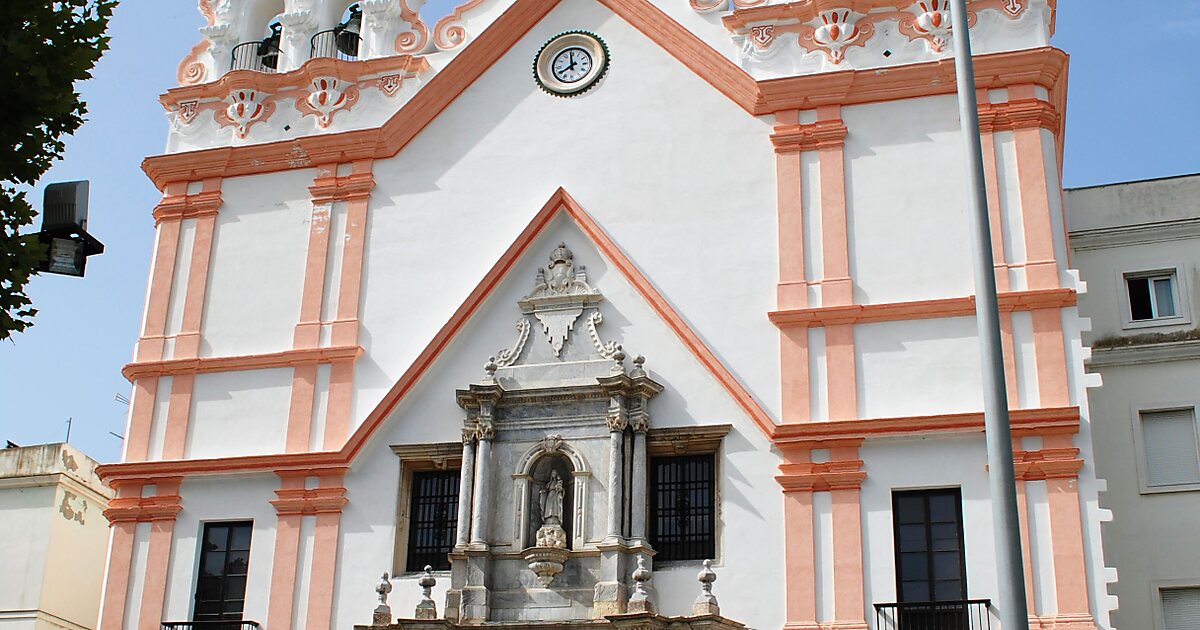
55 538
1137 245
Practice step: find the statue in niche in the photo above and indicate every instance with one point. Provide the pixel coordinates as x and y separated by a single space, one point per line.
550 499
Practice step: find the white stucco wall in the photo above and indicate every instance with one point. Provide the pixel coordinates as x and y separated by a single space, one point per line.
256 273
209 500
25 530
750 517
659 148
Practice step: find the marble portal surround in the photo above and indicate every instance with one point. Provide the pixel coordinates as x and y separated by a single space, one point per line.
560 399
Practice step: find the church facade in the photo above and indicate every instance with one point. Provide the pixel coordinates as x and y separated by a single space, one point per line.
558 311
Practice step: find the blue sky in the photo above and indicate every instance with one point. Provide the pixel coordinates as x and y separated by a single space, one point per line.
1131 115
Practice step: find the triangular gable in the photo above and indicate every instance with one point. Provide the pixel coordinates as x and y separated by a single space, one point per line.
476 58
560 202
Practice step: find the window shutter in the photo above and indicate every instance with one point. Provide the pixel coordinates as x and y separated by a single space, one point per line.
1181 608
1169 443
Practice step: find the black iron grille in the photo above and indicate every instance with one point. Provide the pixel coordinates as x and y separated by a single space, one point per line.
965 614
209 625
682 507
433 519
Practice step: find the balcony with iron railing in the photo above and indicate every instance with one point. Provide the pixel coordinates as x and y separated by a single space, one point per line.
967 614
338 43
259 56
215 624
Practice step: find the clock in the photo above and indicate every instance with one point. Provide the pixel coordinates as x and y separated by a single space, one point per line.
570 63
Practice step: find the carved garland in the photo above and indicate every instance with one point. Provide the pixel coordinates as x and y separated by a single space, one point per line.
834 31
251 99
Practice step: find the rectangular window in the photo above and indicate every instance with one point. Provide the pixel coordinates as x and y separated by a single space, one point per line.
433 519
930 563
683 507
1152 297
1181 608
1169 447
224 563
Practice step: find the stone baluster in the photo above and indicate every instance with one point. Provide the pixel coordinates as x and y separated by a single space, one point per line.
383 612
706 603
465 485
640 602
426 608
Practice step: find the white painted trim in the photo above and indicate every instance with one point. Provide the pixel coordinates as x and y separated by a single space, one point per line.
1178 273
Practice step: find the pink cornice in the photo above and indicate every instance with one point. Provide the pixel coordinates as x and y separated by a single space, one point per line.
200 365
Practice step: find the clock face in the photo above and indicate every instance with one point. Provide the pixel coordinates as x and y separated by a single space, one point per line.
570 63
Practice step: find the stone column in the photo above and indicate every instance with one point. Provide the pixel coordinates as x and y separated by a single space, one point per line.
637 498
617 421
465 485
295 47
479 517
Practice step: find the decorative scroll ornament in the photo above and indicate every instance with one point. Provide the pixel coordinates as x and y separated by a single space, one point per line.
606 349
838 30
507 357
762 36
552 443
244 108
327 96
390 84
560 294
448 32
188 111
933 22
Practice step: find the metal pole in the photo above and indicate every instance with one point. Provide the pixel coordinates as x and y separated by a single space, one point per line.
1012 609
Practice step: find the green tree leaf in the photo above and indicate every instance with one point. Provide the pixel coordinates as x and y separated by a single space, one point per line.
46 47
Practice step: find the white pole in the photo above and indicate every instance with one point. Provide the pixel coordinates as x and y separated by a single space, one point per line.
1012 609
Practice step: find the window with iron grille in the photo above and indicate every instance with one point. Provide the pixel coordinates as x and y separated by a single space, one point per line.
433 519
683 507
224 563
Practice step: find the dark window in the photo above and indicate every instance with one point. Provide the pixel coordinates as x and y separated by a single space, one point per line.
224 562
1151 297
433 519
683 507
929 546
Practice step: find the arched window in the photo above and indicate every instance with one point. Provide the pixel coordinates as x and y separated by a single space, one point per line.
341 41
262 31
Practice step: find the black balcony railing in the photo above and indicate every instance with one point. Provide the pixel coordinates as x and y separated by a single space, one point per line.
216 624
261 56
969 614
339 43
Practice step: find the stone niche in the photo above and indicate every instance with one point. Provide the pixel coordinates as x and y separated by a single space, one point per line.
552 516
